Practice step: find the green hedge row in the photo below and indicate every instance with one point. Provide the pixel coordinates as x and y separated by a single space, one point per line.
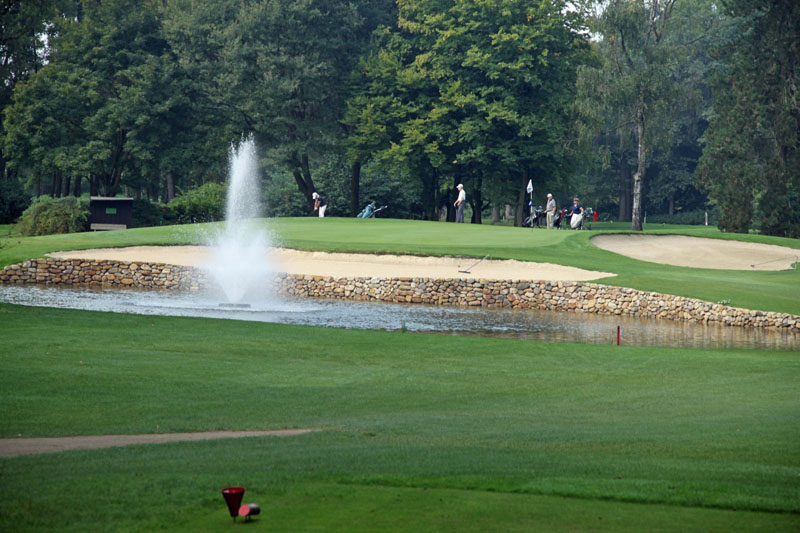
46 216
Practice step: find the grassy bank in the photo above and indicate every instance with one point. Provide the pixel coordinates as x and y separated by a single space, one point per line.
773 291
418 428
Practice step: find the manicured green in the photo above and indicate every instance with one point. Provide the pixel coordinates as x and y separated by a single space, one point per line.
772 291
686 428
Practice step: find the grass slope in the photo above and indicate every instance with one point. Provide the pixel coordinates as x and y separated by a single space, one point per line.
421 431
772 291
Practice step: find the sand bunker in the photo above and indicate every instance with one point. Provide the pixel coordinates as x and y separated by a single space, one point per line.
697 252
15 447
352 265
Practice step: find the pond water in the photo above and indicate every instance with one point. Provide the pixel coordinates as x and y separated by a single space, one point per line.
534 325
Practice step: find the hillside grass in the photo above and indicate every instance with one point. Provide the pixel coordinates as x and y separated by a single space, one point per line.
769 291
420 431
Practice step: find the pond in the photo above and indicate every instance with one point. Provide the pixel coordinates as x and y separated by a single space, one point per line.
532 325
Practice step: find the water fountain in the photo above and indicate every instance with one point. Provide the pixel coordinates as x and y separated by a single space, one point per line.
239 258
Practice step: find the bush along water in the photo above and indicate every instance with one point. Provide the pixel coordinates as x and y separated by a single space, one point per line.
47 216
146 214
203 204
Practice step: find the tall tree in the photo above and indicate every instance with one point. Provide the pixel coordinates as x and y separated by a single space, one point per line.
476 91
111 103
24 29
635 80
274 67
752 155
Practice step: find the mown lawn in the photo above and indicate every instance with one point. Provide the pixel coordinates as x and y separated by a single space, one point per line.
420 431
771 291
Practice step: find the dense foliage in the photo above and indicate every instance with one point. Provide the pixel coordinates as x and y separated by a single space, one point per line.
751 163
47 216
203 204
13 200
398 102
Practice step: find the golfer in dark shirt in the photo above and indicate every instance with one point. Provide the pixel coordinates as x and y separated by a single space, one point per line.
319 204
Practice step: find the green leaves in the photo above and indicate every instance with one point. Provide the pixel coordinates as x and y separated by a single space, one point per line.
463 87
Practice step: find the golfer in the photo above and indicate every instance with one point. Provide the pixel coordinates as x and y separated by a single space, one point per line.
459 203
551 211
319 204
577 214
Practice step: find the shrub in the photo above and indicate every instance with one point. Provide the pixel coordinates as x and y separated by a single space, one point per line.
203 204
13 200
146 213
47 216
692 218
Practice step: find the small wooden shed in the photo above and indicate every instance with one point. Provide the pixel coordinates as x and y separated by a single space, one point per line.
106 213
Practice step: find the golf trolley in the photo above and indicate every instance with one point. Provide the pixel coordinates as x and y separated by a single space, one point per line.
537 218
370 210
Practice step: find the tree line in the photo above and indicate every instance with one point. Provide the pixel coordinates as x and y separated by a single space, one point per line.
666 106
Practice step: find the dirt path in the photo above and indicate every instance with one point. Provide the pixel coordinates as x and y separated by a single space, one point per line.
15 447
351 265
698 252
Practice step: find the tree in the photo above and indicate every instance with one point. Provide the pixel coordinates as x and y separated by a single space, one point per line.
111 104
635 81
752 153
272 67
24 27
474 91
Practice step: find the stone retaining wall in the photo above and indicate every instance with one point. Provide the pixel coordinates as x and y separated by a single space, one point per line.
104 273
509 294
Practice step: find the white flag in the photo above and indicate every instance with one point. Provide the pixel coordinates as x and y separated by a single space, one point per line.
530 186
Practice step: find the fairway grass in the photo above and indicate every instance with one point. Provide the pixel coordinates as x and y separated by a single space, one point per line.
769 291
419 431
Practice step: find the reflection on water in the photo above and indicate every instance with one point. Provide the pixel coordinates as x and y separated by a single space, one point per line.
538 325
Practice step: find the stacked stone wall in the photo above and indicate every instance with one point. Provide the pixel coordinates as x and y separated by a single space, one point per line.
83 272
567 296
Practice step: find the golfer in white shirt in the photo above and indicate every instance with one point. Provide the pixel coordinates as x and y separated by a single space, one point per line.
459 203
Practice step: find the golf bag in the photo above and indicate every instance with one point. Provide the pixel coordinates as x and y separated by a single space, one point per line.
370 210
367 211
537 218
559 217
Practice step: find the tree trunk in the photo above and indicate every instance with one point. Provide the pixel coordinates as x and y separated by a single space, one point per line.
355 185
67 180
636 217
302 176
170 186
508 213
624 213
495 214
519 216
76 186
429 181
671 206
638 178
476 201
56 190
451 209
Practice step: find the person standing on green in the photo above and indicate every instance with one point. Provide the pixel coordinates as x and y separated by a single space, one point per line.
459 203
551 211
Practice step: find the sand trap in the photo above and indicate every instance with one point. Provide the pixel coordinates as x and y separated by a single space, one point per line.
15 447
680 250
352 265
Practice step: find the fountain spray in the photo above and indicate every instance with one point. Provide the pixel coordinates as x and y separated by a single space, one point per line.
240 264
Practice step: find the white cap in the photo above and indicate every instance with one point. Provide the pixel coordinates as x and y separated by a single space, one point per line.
460 186
549 195
314 195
